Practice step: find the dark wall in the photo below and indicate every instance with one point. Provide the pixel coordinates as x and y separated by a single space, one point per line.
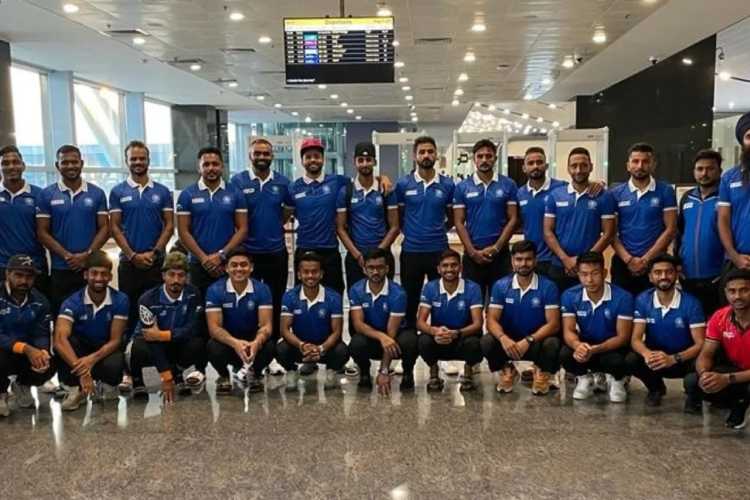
668 105
362 132
7 128
195 127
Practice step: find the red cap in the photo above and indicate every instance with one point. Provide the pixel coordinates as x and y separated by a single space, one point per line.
311 143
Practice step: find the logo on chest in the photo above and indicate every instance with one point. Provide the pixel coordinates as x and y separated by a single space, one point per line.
729 335
155 198
461 305
88 202
655 202
607 313
226 199
251 304
322 312
326 189
679 323
536 302
592 204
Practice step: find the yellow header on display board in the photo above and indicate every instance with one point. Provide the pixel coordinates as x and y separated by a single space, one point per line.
339 24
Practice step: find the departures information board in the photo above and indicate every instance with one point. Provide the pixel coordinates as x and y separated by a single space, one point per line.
339 50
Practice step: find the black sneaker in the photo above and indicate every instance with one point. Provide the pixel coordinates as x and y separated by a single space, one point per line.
653 398
139 391
365 381
407 382
737 418
308 368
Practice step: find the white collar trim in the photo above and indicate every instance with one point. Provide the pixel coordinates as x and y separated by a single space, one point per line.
202 186
534 285
459 289
545 186
375 296
426 183
149 184
606 297
87 300
238 296
358 187
633 188
83 189
26 189
320 298
675 304
309 180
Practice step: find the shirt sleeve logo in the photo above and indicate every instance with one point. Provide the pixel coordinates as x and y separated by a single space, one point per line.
523 203
625 203
561 203
688 205
57 202
411 192
728 334
736 184
473 194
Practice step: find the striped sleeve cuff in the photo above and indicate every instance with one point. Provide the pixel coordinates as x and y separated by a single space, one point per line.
640 320
512 202
476 306
495 306
608 216
398 315
66 317
568 315
337 315
622 316
213 309
120 316
182 212
287 314
265 307
42 216
355 308
697 325
551 216
669 209
720 203
424 304
115 210
552 306
340 210
459 205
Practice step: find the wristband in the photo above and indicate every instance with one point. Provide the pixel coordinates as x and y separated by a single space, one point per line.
166 376
18 347
321 350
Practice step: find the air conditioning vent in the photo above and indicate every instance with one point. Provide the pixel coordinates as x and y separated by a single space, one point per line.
130 32
431 41
238 50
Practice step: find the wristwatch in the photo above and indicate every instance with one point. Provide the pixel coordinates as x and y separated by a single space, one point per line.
530 339
222 255
677 358
321 350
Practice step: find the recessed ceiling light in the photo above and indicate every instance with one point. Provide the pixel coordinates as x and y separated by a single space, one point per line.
544 131
414 119
236 16
478 26
308 119
233 84
384 10
687 61
600 36
547 81
455 102
463 77
506 111
725 75
70 8
568 62
413 113
261 97
334 96
540 120
552 106
470 57
406 88
525 116
264 39
195 67
277 105
528 97
399 64
731 104
139 40
322 86
403 79
343 105
409 97
396 43
491 107
458 92
295 113
358 117
555 124
350 111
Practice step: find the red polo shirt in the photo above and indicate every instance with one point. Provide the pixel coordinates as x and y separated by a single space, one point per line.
734 340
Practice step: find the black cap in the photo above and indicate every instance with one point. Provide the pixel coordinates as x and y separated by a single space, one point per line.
21 263
364 149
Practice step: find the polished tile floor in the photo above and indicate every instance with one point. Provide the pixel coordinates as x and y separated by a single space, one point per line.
349 443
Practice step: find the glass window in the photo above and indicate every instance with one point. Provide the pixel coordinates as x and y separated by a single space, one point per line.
158 119
97 122
26 86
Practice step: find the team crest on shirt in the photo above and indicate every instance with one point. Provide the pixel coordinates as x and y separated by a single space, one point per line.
29 201
509 300
379 200
461 305
155 198
592 204
326 189
227 199
655 202
88 202
439 194
322 312
499 193
251 304
5 311
679 323
385 306
728 334
535 302
607 313
275 189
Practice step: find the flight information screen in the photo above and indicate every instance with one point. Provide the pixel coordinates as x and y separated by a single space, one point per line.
339 50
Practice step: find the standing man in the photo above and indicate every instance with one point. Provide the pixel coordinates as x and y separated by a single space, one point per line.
266 194
239 312
425 200
576 222
211 220
486 215
646 220
722 372
24 334
18 201
597 324
698 243
668 331
366 219
453 307
523 323
312 317
72 223
734 204
88 333
378 307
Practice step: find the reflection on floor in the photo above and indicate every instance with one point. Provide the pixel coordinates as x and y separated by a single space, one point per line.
349 443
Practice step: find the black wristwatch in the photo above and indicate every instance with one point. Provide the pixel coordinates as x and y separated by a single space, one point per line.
530 339
677 357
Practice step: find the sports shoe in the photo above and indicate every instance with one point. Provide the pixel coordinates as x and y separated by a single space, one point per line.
126 385
49 387
140 392
308 368
600 382
223 385
24 399
240 377
292 380
653 398
452 368
541 384
407 382
584 387
4 407
331 379
73 399
618 393
365 381
693 406
253 382
508 377
737 418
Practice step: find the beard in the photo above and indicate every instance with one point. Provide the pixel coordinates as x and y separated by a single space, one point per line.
745 158
427 163
262 164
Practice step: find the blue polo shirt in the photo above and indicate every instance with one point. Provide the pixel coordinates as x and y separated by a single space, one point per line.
640 216
72 216
142 210
312 319
265 210
523 311
700 248
179 316
211 214
424 205
486 207
578 218
366 216
27 323
733 194
668 328
18 225
91 324
451 311
531 205
239 308
314 203
597 322
378 308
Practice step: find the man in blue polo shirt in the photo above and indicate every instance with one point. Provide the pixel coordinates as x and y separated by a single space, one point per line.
311 323
698 243
367 219
72 223
523 323
211 220
575 221
425 200
239 312
24 334
169 337
18 200
597 324
668 331
734 205
453 307
88 333
646 220
378 307
485 214
266 194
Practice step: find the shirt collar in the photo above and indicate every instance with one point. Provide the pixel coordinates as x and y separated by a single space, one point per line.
320 298
310 180
545 186
358 187
696 194
26 189
675 304
149 184
10 297
477 181
572 190
83 189
262 182
87 300
202 186
238 296
606 297
651 187
427 184
459 289
534 285
168 298
375 296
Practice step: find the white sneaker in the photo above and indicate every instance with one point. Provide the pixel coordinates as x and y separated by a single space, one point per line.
452 368
601 383
49 387
292 380
584 387
330 382
240 377
73 399
24 399
617 391
4 407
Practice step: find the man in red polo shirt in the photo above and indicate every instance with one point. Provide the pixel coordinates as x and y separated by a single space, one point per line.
723 366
